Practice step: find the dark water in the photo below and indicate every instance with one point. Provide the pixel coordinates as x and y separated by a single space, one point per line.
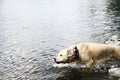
32 32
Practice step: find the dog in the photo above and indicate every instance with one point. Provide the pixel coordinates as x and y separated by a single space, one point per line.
88 53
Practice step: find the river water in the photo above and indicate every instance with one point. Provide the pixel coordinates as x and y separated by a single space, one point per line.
32 32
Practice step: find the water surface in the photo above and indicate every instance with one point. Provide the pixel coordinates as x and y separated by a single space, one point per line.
32 32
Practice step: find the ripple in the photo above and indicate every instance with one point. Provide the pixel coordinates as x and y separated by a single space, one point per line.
30 38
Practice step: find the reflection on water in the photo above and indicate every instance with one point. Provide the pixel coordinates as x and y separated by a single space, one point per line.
32 32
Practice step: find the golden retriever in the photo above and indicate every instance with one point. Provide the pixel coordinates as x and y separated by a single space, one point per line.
88 53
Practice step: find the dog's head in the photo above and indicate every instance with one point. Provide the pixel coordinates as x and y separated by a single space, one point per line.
68 55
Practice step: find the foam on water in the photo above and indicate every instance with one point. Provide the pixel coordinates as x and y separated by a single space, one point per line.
115 72
69 65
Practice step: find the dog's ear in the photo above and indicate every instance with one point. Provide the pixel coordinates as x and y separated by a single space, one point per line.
70 52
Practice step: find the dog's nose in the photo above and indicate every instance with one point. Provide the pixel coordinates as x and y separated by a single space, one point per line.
55 59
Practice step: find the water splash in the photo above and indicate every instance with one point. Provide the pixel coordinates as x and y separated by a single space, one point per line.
69 65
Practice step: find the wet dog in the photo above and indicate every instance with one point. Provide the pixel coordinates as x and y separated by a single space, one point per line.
88 53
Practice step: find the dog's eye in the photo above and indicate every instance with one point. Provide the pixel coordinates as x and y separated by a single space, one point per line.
60 54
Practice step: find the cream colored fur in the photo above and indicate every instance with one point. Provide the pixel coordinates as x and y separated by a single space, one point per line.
90 53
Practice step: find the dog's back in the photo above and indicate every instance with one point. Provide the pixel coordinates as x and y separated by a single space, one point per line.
100 51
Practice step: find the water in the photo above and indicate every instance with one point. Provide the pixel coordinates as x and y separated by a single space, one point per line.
32 32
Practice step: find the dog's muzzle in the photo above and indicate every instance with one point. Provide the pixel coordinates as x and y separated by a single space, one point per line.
57 61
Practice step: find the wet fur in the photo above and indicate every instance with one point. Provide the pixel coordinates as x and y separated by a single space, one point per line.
89 53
